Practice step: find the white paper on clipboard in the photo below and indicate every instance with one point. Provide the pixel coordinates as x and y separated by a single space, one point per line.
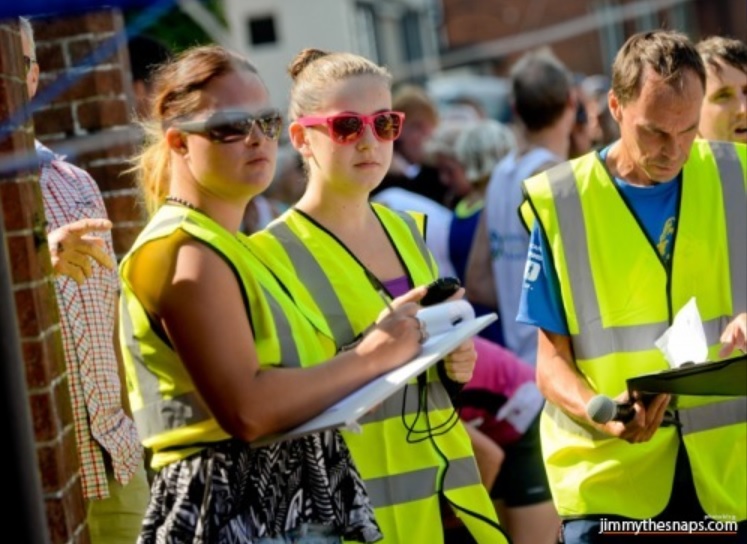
448 324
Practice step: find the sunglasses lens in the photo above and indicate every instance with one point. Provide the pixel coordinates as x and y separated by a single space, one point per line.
388 126
270 125
346 128
230 132
233 131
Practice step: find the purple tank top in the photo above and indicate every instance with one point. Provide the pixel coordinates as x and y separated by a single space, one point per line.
397 286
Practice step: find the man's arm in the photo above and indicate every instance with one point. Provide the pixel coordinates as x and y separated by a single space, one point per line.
74 249
480 284
563 385
734 336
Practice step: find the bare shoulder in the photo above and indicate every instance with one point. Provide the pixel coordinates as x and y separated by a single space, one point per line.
178 269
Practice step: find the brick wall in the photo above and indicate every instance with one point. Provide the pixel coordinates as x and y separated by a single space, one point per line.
90 119
94 111
470 22
36 309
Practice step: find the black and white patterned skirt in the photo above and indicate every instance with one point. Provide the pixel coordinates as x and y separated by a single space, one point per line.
231 494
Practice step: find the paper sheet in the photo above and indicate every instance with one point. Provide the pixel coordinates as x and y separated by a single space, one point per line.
685 341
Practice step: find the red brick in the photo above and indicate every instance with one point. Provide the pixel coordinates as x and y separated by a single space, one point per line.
18 147
117 150
50 56
11 63
122 208
112 177
63 402
54 119
75 508
56 27
98 114
44 415
98 82
50 459
21 209
43 358
124 238
25 264
82 50
35 307
59 532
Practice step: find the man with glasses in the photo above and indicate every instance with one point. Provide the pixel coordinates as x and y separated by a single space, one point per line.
112 471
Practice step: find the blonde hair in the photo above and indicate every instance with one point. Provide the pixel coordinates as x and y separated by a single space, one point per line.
178 85
312 71
480 146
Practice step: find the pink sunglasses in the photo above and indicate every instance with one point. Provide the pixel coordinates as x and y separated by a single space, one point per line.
347 128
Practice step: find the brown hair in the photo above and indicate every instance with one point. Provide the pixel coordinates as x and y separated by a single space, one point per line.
312 71
541 87
177 89
415 102
668 53
718 50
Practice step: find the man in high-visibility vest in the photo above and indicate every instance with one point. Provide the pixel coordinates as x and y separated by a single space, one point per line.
621 240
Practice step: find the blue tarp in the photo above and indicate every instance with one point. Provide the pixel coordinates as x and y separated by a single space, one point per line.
30 8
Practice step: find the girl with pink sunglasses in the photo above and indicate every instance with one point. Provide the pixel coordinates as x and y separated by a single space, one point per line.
342 258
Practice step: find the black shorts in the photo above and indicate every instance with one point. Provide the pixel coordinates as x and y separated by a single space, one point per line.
522 480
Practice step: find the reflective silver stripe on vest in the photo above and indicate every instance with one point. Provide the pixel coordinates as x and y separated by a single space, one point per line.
594 340
176 413
566 423
713 416
151 230
317 282
158 415
418 238
288 349
420 484
732 183
438 399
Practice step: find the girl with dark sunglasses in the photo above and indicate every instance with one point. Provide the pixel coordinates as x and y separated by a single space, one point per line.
215 348
339 255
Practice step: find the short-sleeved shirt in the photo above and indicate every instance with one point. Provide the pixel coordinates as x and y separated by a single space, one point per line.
655 207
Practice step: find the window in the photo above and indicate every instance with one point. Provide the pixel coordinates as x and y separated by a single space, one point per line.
365 23
262 30
612 31
412 36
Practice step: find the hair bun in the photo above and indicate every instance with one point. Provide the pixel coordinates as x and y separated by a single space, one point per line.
303 59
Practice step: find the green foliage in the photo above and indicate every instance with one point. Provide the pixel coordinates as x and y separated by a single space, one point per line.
176 29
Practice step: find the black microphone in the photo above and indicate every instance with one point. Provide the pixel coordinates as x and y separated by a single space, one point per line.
602 409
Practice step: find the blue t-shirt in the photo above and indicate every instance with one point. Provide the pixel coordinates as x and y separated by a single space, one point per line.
656 210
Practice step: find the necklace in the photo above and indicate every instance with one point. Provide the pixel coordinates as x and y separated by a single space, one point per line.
183 202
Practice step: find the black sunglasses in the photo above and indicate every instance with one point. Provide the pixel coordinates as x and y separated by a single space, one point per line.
27 62
232 126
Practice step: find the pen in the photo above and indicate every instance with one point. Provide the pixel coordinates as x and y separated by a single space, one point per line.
385 298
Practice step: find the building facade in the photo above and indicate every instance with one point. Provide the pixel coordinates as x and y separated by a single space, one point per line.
400 34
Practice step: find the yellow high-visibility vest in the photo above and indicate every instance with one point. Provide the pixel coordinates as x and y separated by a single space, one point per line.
403 469
619 297
171 417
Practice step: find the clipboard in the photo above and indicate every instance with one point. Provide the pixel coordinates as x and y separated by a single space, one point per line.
346 412
726 378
